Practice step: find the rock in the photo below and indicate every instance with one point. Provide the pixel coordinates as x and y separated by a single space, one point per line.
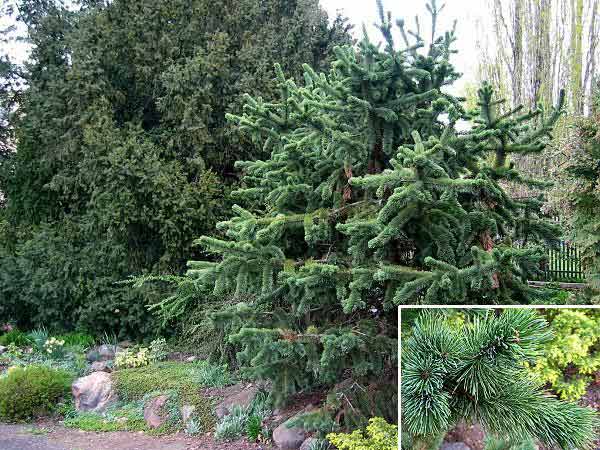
100 366
186 412
455 446
288 438
241 398
3 349
103 352
307 443
94 392
191 358
125 344
154 411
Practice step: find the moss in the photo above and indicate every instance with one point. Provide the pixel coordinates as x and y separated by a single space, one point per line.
134 384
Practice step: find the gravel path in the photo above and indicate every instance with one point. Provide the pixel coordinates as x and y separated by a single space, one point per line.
56 437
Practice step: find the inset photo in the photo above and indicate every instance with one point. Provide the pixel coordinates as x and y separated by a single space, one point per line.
491 378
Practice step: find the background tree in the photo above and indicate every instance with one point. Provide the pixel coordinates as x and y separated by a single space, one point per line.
475 372
539 47
121 137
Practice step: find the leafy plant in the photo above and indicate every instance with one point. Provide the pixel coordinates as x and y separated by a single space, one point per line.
38 337
233 425
31 391
253 427
243 420
132 357
193 427
379 435
54 347
320 444
77 338
16 337
159 350
570 360
211 375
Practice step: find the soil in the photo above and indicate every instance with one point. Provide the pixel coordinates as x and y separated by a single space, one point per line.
51 436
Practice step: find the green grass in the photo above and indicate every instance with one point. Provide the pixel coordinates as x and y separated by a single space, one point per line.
96 422
120 417
77 338
134 384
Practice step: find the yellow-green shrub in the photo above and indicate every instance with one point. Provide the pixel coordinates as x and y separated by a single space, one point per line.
379 435
30 391
573 349
130 358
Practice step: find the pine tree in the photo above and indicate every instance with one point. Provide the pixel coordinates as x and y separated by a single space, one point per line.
578 189
475 372
371 197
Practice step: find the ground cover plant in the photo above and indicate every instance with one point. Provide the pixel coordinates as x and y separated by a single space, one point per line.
476 371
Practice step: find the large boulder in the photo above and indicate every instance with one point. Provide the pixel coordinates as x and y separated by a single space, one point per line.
100 366
289 438
94 392
242 397
155 412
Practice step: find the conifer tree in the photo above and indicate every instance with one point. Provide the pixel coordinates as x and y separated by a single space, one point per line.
371 197
475 371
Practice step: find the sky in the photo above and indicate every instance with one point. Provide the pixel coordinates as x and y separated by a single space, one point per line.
469 14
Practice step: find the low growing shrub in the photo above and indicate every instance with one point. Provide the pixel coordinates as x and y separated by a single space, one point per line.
572 357
16 337
32 391
379 435
132 357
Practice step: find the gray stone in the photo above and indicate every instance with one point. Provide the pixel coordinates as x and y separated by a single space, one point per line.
3 349
288 438
191 358
241 398
307 443
94 392
455 446
103 352
100 366
154 411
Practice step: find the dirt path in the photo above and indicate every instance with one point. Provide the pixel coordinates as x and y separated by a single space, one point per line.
56 437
